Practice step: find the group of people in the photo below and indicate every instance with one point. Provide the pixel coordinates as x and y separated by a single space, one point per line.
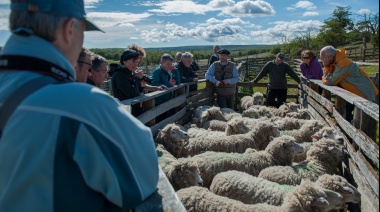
67 146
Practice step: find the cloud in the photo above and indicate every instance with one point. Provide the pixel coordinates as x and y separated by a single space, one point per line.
91 3
365 12
4 19
221 3
4 2
302 5
310 14
181 7
288 30
116 19
249 8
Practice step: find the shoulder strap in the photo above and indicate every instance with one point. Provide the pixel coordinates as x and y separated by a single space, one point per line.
14 99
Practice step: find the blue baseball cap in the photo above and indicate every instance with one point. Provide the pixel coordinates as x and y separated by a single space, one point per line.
68 8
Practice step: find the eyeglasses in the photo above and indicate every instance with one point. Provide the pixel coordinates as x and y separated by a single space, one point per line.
306 58
89 64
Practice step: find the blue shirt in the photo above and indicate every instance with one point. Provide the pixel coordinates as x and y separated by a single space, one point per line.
209 75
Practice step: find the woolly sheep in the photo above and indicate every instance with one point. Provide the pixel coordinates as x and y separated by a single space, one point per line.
181 172
322 158
258 138
305 197
252 190
325 132
280 151
300 114
285 109
256 99
290 123
257 112
205 113
173 138
231 127
305 132
229 113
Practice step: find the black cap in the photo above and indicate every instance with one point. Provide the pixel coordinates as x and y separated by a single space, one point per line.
128 54
224 51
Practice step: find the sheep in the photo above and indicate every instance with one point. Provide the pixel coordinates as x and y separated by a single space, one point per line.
305 132
322 158
232 127
181 173
300 114
325 132
305 197
173 138
229 113
258 112
205 113
252 190
290 123
280 151
258 138
256 99
285 109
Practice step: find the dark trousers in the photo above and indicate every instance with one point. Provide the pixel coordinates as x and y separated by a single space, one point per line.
225 101
349 109
280 94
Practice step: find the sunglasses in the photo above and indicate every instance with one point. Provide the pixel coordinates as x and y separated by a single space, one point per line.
306 58
89 64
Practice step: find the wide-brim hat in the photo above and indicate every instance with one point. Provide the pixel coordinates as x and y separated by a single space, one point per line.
223 51
71 8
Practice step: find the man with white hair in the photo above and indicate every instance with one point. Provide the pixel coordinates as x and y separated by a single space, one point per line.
57 151
186 70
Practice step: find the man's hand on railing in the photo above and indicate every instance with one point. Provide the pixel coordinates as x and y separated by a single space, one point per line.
161 87
195 79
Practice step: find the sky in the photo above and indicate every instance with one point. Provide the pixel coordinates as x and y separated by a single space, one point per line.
172 23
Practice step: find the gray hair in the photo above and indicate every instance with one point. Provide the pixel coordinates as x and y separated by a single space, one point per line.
97 61
329 50
178 54
166 57
42 24
186 56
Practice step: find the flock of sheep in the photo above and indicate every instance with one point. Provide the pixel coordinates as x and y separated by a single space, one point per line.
263 159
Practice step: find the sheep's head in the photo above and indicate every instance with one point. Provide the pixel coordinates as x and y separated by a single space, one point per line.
186 174
312 126
173 138
263 131
325 151
328 133
283 148
258 98
308 196
341 185
251 113
236 127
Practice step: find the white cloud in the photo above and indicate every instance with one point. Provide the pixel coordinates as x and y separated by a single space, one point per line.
4 2
181 7
221 3
249 8
4 19
302 5
91 3
113 19
288 30
365 12
310 14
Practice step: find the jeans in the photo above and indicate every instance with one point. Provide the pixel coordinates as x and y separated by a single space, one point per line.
225 101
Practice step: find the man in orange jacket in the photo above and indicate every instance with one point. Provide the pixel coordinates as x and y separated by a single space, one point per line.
343 72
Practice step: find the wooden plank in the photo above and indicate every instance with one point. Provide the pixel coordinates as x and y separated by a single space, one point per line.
315 95
369 201
208 101
366 144
171 119
370 108
316 115
195 98
159 109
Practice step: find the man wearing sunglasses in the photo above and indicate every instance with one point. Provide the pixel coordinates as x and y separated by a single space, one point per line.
84 65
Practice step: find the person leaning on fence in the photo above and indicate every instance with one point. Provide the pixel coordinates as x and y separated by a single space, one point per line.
277 85
165 74
84 65
99 71
56 152
125 84
343 72
310 66
224 75
186 71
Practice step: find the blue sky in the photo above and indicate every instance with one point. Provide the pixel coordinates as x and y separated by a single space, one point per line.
168 23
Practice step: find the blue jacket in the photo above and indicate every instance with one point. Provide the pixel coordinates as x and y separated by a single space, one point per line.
159 77
70 146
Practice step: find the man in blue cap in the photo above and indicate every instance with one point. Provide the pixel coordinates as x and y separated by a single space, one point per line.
56 152
277 85
224 75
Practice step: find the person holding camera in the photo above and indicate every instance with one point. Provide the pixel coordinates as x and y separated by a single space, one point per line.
224 75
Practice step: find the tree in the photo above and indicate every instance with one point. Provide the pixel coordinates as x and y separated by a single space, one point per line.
334 31
368 26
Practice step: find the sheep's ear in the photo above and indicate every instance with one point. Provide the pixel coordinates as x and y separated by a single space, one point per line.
330 148
315 137
347 190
